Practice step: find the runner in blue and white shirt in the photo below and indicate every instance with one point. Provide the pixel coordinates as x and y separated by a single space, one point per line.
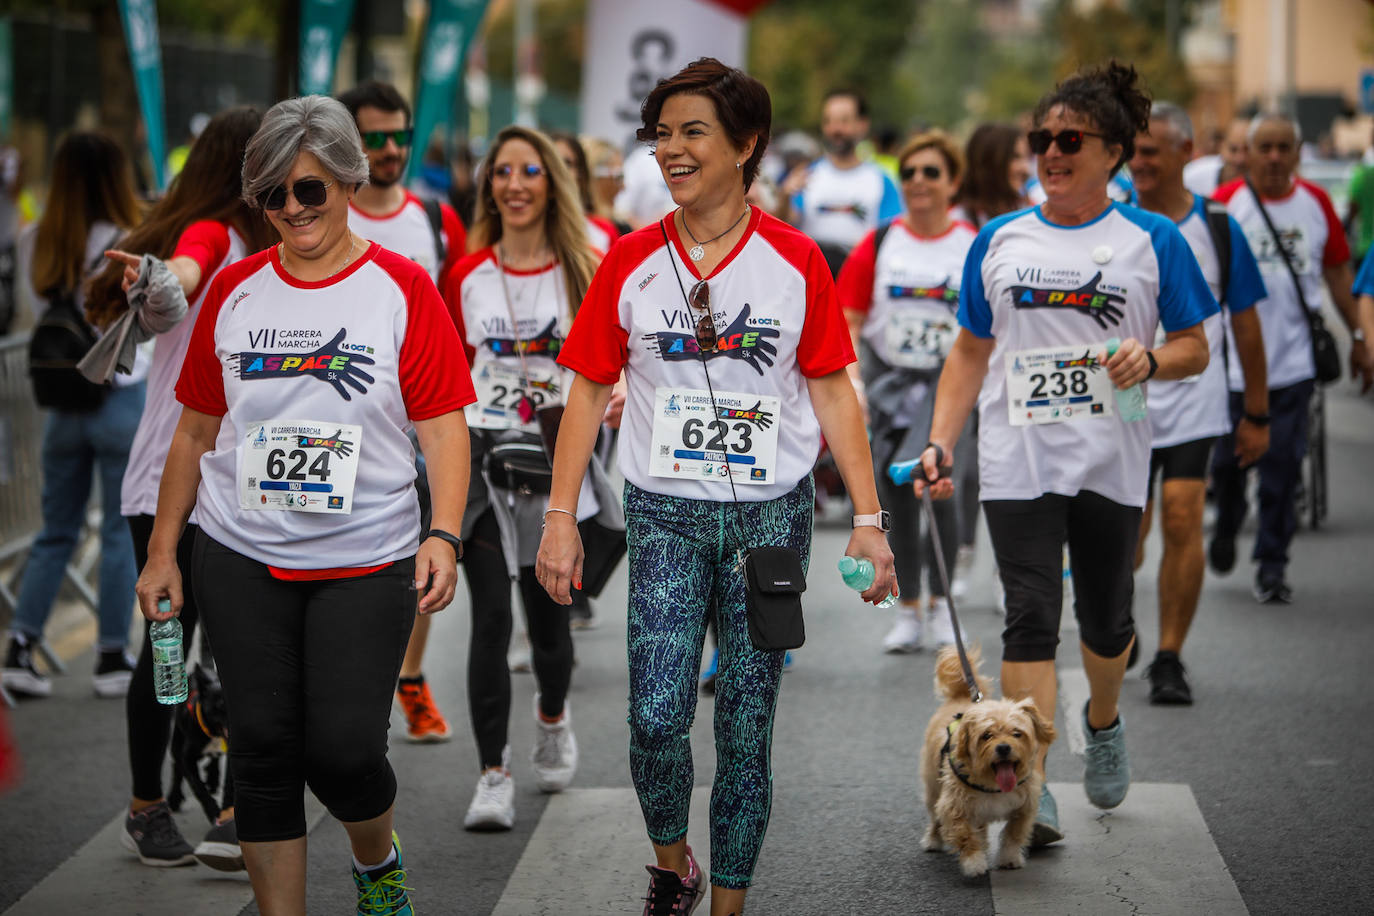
1043 291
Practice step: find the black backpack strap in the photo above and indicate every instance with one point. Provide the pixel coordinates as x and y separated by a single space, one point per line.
436 225
1219 226
881 234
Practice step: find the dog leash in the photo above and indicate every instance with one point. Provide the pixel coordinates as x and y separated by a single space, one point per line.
929 507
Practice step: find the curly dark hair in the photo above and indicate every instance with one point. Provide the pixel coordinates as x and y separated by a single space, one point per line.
1112 97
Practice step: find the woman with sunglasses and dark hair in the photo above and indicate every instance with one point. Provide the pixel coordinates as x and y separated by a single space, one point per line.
733 344
307 364
900 295
513 300
1044 291
200 227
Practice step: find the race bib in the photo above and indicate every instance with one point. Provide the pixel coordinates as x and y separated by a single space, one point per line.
1058 384
501 389
299 465
696 440
919 341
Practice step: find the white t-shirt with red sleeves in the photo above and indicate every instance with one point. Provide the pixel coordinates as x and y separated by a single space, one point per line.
408 232
601 232
1314 240
909 292
366 352
778 323
213 246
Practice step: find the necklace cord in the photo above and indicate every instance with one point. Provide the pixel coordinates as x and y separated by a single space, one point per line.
712 239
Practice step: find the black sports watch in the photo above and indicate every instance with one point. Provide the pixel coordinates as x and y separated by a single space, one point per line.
1154 365
1259 419
882 520
453 540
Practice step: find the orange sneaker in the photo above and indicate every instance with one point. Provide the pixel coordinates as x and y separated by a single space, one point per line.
424 722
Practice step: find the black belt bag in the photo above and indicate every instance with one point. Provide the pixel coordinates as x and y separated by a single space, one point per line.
520 466
774 581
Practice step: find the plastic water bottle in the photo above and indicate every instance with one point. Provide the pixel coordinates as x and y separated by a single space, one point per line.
1130 402
858 575
169 663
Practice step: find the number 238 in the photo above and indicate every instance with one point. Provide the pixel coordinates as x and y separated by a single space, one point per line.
1075 381
694 436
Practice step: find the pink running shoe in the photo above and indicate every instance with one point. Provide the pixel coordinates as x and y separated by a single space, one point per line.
670 894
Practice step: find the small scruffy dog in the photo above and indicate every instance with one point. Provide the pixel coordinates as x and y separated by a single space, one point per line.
978 765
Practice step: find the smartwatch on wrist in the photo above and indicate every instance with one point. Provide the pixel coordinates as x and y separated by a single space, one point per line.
1154 365
453 540
882 520
1258 419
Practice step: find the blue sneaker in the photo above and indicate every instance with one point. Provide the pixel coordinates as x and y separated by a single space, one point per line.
708 677
382 891
1106 771
1046 829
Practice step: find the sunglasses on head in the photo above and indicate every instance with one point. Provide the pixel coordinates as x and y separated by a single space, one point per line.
309 192
931 172
376 139
525 171
700 300
1068 141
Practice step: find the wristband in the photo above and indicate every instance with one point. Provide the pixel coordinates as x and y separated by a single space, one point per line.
1154 365
452 539
1258 419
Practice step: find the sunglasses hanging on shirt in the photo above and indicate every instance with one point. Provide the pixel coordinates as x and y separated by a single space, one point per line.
376 139
1068 141
309 192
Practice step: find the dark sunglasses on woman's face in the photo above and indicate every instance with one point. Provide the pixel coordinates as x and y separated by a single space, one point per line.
1068 141
700 300
376 139
530 171
309 192
931 172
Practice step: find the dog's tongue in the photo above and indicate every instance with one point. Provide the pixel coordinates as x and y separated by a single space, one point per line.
1006 776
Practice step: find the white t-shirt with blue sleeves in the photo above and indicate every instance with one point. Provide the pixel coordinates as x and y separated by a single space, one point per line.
1028 284
841 206
1196 407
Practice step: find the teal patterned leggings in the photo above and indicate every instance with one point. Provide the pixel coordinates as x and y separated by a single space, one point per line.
682 570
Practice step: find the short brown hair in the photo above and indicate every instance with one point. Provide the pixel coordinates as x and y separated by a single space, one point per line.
742 104
942 143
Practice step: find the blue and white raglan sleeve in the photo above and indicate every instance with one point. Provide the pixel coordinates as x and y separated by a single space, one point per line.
890 207
1184 297
1246 285
975 312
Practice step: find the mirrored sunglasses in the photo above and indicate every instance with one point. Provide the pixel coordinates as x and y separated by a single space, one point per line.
530 171
309 192
376 139
1068 141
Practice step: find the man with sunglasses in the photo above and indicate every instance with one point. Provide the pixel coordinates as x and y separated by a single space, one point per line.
430 234
1274 203
1188 416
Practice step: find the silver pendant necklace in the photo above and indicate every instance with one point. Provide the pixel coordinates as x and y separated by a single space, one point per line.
698 250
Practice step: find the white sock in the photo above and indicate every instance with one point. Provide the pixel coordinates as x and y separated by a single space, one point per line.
364 869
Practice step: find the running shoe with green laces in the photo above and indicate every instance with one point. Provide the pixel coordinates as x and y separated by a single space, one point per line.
1046 828
1106 770
382 891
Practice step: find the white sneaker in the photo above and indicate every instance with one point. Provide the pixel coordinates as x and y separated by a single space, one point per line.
962 567
493 804
939 626
518 659
555 751
905 635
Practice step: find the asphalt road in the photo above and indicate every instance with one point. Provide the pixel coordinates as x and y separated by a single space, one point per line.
1255 799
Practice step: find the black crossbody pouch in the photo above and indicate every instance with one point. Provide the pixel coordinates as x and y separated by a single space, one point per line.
774 581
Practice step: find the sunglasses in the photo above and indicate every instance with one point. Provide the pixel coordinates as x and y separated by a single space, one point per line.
309 192
931 172
700 300
530 171
376 139
1068 141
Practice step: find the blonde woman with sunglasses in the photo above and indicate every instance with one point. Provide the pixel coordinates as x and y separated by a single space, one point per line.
726 325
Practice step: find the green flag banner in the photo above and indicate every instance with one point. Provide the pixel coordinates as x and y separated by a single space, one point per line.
6 77
145 55
452 25
323 26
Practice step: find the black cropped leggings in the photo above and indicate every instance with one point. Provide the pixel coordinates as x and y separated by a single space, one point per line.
551 647
308 670
150 722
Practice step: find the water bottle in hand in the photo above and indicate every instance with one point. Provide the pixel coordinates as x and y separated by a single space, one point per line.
1130 402
169 663
858 575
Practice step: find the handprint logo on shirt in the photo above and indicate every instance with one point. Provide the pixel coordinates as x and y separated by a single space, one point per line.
332 363
738 341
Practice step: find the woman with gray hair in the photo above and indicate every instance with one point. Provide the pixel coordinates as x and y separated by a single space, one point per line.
306 365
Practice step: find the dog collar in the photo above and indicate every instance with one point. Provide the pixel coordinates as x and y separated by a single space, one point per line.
946 759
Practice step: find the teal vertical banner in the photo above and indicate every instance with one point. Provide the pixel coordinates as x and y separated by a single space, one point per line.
324 23
6 77
145 54
452 25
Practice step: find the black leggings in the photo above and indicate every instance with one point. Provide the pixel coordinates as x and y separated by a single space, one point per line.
1028 537
308 670
551 647
150 722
